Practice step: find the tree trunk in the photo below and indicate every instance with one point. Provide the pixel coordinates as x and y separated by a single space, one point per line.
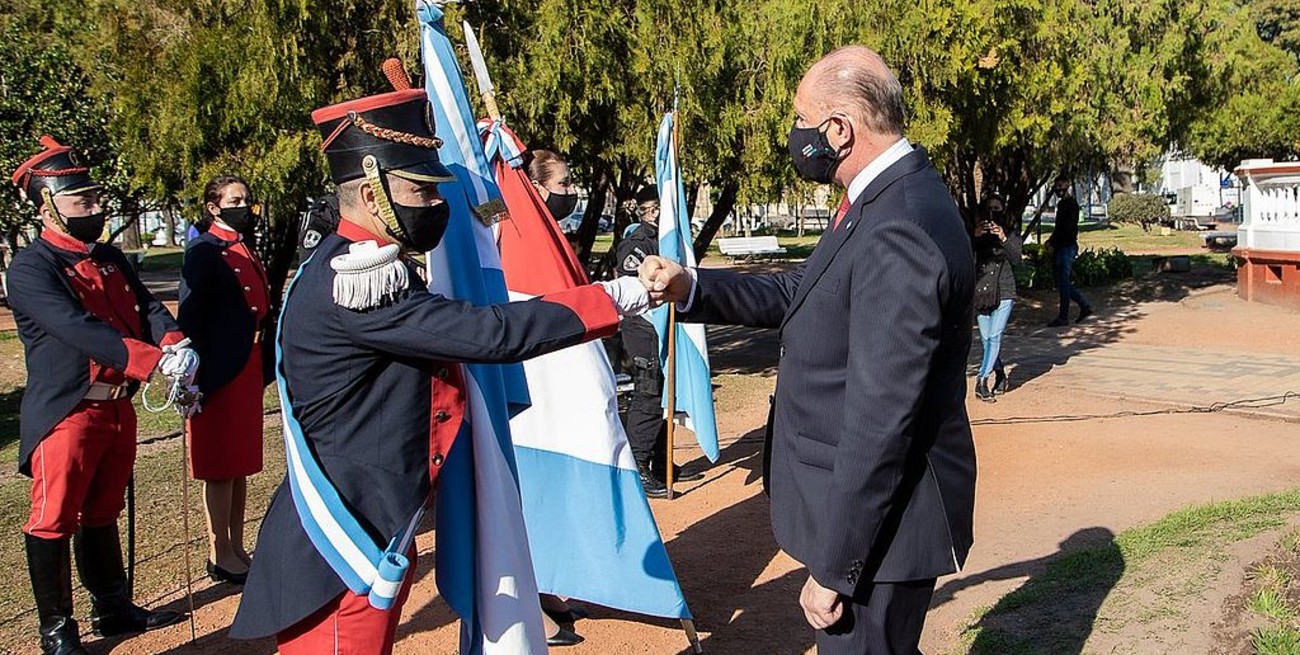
278 247
170 226
1123 179
129 231
590 225
721 209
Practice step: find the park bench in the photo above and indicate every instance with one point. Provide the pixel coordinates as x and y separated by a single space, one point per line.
1219 240
737 247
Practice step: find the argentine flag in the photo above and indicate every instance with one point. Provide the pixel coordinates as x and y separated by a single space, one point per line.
694 384
484 569
589 524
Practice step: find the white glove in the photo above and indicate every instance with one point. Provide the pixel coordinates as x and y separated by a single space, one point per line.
179 364
628 294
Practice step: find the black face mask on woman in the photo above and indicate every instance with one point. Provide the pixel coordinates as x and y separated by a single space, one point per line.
240 219
422 227
561 204
86 229
814 158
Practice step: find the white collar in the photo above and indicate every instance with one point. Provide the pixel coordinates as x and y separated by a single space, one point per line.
877 166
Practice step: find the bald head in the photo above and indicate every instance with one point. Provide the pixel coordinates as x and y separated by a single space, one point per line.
855 81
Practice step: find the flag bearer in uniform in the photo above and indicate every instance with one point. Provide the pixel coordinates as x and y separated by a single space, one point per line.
91 333
373 393
225 309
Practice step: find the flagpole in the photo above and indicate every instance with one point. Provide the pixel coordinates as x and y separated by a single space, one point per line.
670 388
691 636
671 381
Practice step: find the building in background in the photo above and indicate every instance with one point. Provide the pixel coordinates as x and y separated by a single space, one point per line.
1268 241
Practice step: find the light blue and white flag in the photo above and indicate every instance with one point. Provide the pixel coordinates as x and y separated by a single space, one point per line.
694 385
591 531
484 568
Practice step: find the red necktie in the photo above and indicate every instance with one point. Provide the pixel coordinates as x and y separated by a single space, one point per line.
839 213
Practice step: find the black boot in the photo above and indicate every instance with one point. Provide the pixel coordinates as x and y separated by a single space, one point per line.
680 473
50 564
99 561
982 390
1001 381
654 487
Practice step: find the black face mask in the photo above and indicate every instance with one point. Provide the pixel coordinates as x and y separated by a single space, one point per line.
86 229
422 227
561 204
240 219
814 158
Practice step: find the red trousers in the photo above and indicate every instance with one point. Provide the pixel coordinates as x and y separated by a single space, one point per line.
347 625
80 471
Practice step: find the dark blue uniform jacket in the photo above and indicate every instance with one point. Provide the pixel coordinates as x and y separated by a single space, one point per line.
64 341
362 384
215 314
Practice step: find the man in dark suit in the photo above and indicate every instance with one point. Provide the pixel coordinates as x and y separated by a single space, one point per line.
872 466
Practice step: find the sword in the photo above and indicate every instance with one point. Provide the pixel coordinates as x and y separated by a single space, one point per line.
185 400
130 536
481 76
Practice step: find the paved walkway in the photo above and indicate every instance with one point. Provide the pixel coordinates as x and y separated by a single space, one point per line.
1173 376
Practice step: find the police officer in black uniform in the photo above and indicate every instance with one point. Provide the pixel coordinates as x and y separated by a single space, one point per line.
647 431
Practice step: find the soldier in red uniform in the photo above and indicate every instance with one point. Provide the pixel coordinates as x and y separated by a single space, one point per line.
92 333
225 310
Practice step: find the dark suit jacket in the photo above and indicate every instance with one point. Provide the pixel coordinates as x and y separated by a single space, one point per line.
872 473
364 386
61 337
215 315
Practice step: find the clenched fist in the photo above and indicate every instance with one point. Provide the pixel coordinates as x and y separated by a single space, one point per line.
665 279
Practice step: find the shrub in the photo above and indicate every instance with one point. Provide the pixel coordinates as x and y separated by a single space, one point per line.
1142 209
1091 268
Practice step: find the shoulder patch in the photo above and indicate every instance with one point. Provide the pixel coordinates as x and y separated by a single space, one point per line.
311 239
631 262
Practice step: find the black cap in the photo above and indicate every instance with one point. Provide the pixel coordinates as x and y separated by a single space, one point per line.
57 168
647 193
396 128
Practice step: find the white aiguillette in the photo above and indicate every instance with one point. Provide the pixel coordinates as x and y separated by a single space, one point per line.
368 276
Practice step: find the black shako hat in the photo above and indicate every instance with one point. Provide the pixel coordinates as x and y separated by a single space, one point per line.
56 169
647 193
394 129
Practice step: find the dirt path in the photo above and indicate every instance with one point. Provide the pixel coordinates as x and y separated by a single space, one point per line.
1041 484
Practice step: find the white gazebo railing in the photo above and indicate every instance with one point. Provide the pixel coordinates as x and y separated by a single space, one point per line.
1271 205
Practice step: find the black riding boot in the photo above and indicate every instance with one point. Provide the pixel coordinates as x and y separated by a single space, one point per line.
50 564
99 561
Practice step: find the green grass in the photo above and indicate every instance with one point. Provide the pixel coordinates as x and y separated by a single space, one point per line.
160 545
1271 601
1148 574
162 259
1277 640
1131 239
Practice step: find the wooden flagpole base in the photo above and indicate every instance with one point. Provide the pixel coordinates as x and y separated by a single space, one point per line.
694 639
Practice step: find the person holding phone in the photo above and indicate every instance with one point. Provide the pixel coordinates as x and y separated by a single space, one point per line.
997 252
